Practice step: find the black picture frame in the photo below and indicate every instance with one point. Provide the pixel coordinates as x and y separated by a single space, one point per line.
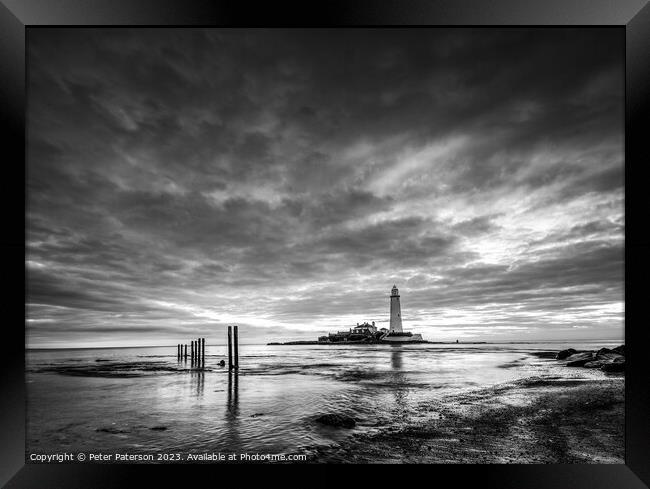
18 15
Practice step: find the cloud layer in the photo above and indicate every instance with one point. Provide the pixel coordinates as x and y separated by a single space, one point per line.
180 180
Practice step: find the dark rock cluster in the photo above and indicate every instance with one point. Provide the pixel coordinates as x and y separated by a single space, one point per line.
337 420
605 359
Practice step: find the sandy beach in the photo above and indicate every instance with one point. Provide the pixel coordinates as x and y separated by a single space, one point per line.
545 419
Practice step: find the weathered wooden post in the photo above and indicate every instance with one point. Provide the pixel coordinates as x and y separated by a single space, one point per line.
198 352
202 352
236 354
186 352
178 351
229 347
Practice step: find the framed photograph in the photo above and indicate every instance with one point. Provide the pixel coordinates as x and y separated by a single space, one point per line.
370 235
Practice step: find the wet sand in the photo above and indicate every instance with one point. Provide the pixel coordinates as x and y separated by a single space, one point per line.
534 420
418 404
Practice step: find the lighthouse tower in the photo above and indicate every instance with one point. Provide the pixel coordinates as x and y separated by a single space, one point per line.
395 311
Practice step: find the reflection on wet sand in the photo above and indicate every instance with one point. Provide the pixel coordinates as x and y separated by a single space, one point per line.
396 358
232 434
233 392
198 378
398 379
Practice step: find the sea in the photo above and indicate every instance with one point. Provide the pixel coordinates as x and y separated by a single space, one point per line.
144 400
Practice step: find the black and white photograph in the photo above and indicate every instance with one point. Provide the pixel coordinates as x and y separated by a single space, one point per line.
326 245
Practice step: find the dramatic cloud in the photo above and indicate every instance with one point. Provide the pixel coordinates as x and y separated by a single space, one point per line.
182 179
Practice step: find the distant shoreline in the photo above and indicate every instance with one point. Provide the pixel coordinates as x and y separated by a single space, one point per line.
307 342
419 342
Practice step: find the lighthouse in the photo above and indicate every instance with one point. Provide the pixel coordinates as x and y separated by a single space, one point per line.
395 311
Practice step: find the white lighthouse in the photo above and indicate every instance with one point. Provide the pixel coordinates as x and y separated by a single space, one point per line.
395 311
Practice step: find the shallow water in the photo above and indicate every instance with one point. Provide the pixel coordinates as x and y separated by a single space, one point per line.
144 400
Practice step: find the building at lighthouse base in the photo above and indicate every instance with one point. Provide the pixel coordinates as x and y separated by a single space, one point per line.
404 337
368 333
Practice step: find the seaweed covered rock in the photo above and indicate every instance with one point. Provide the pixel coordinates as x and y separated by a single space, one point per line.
607 355
596 364
579 359
617 366
336 420
606 359
561 355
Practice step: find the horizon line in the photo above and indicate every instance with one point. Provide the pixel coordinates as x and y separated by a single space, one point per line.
266 344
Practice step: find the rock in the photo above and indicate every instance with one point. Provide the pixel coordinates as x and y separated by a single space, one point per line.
577 363
579 359
617 366
599 359
605 356
110 429
544 354
222 363
596 363
609 356
561 355
588 359
337 420
604 350
158 428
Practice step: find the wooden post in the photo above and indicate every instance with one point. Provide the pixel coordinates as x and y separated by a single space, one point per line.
178 351
236 348
186 352
203 352
229 347
198 352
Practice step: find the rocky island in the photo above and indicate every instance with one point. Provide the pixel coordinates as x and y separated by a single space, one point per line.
365 333
369 333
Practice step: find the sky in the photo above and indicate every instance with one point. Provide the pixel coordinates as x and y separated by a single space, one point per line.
182 180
